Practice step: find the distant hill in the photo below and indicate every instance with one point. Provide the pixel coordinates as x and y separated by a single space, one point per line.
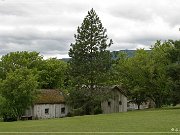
65 59
130 53
114 54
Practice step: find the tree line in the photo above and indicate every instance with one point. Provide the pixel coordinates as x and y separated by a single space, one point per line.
21 75
153 75
91 70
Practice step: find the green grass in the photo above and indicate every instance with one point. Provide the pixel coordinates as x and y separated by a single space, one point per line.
162 120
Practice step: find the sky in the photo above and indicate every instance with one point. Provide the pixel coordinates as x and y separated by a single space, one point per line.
48 26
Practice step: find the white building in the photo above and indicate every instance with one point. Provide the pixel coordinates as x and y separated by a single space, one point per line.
49 104
117 101
145 105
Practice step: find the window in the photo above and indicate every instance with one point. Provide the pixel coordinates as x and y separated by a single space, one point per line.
109 103
47 111
63 110
120 103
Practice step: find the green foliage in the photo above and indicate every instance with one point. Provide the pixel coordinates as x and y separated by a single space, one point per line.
145 74
131 72
90 60
89 52
53 74
174 71
18 91
17 60
20 73
159 86
6 111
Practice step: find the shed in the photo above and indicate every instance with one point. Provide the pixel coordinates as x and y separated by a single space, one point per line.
50 103
117 101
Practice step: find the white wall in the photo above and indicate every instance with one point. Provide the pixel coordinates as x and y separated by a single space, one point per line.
114 103
133 106
54 111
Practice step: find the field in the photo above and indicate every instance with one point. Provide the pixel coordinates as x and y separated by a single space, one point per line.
162 120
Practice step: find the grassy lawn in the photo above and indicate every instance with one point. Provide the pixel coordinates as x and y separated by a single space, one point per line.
162 120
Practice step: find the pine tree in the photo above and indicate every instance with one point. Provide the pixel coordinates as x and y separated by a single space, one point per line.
90 59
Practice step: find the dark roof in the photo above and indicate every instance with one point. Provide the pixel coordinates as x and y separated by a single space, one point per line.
120 89
50 96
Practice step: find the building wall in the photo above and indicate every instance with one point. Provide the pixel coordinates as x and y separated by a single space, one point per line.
117 103
133 106
44 111
145 105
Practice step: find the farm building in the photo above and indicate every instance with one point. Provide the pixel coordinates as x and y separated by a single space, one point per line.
49 104
145 105
117 102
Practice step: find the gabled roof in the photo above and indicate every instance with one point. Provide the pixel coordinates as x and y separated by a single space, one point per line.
50 96
120 89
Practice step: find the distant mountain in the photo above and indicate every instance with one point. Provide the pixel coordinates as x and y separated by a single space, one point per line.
114 54
65 59
130 53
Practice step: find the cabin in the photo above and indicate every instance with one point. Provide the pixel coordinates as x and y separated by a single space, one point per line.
49 104
117 101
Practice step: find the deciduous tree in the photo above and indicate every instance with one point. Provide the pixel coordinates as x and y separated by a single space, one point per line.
52 74
174 71
17 60
132 73
18 92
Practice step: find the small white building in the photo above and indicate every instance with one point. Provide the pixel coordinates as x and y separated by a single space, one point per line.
133 106
145 105
117 101
49 104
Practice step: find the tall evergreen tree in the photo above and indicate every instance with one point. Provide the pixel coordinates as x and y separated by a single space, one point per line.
90 58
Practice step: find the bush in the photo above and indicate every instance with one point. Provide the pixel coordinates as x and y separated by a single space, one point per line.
77 112
97 110
7 118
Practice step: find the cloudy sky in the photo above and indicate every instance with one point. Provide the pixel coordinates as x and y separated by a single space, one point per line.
48 26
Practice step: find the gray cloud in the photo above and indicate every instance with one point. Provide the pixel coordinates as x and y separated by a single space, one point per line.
148 10
34 40
48 26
